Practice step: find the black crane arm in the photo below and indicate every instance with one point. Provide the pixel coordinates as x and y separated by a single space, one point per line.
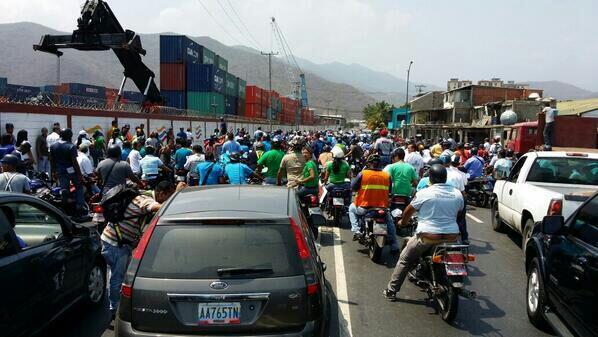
98 29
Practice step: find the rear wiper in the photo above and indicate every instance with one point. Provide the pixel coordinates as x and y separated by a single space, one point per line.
239 271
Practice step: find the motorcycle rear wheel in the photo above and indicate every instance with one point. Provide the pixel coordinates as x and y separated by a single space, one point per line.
374 251
447 302
482 200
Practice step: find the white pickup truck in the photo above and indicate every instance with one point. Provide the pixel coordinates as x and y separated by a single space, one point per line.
543 183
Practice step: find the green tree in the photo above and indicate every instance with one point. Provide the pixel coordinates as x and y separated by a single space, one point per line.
378 115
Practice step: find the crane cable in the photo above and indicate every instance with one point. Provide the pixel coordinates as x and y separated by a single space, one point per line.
244 26
218 23
234 23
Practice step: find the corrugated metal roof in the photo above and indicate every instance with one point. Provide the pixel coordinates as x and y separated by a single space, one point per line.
577 106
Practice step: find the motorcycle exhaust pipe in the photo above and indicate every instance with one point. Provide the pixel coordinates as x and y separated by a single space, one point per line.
470 294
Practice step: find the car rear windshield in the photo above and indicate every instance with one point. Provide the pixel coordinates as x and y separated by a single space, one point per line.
581 171
199 251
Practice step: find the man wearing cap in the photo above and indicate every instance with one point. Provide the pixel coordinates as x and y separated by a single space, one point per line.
10 179
292 164
383 147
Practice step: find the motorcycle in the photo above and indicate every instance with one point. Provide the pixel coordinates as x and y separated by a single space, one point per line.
40 182
374 232
442 274
479 192
357 166
336 205
398 203
311 209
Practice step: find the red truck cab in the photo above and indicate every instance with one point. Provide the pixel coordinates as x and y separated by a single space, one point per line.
522 137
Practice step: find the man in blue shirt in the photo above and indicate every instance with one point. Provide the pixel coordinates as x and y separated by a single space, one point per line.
210 172
231 145
237 172
180 155
474 165
150 166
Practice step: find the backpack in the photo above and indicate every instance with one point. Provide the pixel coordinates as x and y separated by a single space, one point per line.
115 202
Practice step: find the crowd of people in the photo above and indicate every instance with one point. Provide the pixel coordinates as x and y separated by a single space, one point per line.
373 165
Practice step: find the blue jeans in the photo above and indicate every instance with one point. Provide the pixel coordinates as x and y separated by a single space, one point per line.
117 258
43 164
356 212
65 180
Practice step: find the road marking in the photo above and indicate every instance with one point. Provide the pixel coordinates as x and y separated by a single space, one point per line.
474 218
344 316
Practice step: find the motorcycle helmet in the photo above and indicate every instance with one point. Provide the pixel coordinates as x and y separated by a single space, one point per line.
66 134
114 151
235 157
338 153
437 174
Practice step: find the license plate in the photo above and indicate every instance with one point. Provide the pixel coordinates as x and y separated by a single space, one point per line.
98 218
455 270
338 201
219 313
315 210
379 229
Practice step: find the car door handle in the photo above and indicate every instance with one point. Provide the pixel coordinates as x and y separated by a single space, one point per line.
510 192
581 261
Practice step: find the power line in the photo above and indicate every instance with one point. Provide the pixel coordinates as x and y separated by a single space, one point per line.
233 22
218 23
244 26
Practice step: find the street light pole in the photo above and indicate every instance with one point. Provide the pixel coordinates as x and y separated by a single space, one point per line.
407 94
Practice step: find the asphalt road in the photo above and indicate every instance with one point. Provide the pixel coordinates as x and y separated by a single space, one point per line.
360 310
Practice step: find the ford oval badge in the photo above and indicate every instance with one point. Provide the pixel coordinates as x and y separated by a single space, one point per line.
218 285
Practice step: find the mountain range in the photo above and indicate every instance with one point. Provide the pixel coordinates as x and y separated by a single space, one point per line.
332 88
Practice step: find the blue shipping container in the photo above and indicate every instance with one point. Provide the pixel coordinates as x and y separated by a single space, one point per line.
85 90
133 96
21 91
175 99
230 105
48 88
3 82
205 78
179 49
81 101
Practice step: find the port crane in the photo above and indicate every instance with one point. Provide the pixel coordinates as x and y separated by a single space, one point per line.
98 29
299 90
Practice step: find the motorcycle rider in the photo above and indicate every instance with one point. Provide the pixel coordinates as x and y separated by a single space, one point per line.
309 182
65 170
237 172
292 163
336 172
402 174
372 186
270 159
474 165
383 147
437 208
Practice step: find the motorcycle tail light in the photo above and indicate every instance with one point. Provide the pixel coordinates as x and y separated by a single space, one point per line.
437 259
455 258
314 200
380 212
470 258
97 208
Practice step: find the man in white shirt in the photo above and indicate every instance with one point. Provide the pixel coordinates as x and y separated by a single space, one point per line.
458 180
415 159
550 115
134 158
86 165
54 137
191 164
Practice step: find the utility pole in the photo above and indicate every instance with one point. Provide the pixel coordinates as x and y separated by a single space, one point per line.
58 70
270 54
407 94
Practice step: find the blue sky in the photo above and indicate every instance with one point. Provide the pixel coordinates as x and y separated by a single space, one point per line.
518 40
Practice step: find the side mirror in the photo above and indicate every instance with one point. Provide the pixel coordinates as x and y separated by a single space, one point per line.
317 220
552 224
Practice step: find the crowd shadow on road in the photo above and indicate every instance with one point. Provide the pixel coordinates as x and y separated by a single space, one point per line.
480 247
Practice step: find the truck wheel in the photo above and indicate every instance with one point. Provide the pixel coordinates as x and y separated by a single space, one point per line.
497 223
536 298
527 233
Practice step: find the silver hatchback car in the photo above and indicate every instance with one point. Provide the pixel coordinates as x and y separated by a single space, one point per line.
226 260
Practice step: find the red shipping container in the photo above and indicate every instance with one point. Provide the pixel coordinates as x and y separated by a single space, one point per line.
253 110
253 94
173 77
266 98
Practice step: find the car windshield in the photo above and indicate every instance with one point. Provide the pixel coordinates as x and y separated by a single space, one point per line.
221 251
580 171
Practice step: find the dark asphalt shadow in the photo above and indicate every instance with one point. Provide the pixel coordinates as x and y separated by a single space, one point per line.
81 320
473 313
515 237
335 325
480 247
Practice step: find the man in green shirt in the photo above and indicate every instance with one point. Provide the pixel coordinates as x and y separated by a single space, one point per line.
271 159
403 175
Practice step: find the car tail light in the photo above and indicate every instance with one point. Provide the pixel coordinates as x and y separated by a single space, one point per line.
311 279
555 207
127 285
